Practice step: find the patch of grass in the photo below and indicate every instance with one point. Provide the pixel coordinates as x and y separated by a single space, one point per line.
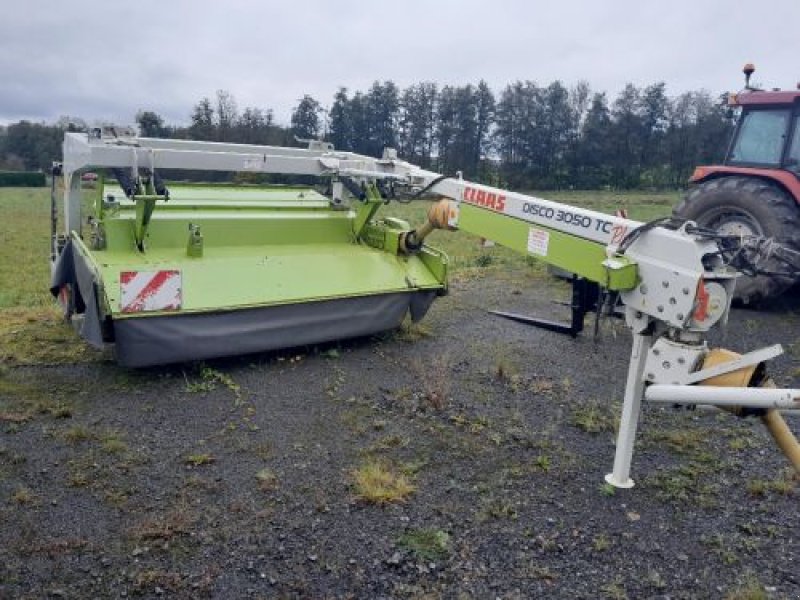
199 459
761 487
614 591
23 495
267 480
411 332
681 441
148 580
412 467
506 367
10 462
434 377
721 548
23 401
113 442
78 433
543 463
388 442
601 542
116 497
78 476
741 443
263 450
607 489
210 379
40 336
426 544
750 590
593 418
378 482
686 483
24 242
498 508
164 527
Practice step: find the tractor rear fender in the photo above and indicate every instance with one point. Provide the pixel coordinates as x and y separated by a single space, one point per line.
787 181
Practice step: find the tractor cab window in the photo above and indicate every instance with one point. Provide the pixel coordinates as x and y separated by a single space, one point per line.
793 155
761 137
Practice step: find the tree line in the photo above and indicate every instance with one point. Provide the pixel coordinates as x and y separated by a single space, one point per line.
529 136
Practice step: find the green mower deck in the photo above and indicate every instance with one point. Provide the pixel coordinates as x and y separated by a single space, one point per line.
220 270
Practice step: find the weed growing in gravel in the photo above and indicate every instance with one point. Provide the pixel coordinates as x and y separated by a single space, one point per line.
78 433
23 495
483 260
601 542
505 364
378 482
680 441
593 418
116 498
199 459
414 466
388 442
434 378
112 442
607 489
9 461
210 379
750 590
721 547
498 508
426 544
156 579
782 485
685 483
78 476
410 332
543 463
263 450
267 480
614 591
165 526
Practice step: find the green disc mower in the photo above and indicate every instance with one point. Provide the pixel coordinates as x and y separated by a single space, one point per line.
175 272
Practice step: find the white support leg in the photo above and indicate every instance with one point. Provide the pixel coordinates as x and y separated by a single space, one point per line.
634 390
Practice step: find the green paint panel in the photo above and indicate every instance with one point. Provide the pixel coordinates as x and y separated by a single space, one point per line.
260 247
227 278
568 252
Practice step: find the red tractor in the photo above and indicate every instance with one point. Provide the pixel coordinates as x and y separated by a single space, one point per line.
756 189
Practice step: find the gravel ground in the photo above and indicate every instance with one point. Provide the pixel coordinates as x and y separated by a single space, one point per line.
236 478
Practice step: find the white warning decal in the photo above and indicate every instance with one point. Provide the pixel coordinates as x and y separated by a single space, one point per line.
143 291
538 241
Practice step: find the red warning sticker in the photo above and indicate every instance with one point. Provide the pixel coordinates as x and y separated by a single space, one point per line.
143 291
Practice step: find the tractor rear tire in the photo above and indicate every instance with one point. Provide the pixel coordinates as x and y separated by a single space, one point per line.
746 206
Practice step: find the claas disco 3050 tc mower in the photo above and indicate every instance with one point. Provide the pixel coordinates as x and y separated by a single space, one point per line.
176 272
171 273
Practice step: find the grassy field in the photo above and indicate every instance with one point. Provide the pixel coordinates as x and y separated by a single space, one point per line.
24 247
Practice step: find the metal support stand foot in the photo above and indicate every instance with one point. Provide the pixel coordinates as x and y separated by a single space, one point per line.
631 407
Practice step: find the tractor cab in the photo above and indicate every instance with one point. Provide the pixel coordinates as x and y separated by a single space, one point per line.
768 131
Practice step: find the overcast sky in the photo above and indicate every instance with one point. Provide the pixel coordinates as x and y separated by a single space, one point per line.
106 59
